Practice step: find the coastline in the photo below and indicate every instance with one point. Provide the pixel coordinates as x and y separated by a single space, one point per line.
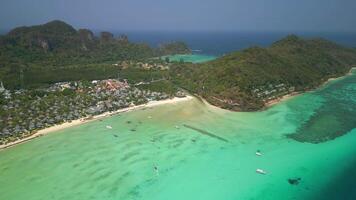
80 121
293 94
280 99
84 120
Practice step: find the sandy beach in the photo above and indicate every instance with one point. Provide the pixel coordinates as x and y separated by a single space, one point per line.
282 98
293 94
149 104
80 121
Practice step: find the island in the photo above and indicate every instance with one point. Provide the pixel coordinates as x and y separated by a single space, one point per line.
251 79
52 73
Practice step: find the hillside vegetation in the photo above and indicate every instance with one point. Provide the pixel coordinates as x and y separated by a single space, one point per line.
240 81
57 49
246 80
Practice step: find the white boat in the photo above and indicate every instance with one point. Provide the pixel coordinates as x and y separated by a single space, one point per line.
258 153
156 170
261 171
108 127
177 127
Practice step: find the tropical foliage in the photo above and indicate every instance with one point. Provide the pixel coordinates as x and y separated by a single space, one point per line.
233 81
57 52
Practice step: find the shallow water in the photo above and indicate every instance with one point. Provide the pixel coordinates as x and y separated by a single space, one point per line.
92 162
193 58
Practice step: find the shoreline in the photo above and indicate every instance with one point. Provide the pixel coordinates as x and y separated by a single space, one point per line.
84 120
294 94
281 99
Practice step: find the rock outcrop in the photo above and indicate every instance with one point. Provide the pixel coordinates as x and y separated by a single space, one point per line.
86 35
106 37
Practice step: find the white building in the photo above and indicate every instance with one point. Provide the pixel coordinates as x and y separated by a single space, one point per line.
2 88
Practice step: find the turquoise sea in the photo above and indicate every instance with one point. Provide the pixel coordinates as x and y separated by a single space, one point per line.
193 151
193 58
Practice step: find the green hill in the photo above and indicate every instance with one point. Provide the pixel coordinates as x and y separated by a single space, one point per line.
246 80
173 48
57 45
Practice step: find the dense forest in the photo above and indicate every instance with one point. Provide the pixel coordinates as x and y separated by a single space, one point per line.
246 80
55 51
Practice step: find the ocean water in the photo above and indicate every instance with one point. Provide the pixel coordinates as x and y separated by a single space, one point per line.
219 43
193 58
191 150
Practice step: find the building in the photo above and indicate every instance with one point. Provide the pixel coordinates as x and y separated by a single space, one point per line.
2 88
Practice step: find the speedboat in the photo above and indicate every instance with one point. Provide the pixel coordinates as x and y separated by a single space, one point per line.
261 171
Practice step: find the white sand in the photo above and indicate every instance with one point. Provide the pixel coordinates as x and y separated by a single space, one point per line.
96 117
293 94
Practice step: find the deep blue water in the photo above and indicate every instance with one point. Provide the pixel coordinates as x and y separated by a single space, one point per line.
219 43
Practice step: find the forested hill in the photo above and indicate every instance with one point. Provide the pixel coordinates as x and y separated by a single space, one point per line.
246 80
56 47
59 43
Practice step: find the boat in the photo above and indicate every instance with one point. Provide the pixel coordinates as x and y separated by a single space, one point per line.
261 171
108 127
258 153
156 170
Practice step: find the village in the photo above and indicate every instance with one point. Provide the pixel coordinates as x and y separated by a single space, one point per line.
158 64
23 112
272 91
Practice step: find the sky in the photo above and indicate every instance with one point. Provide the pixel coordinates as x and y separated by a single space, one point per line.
185 15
